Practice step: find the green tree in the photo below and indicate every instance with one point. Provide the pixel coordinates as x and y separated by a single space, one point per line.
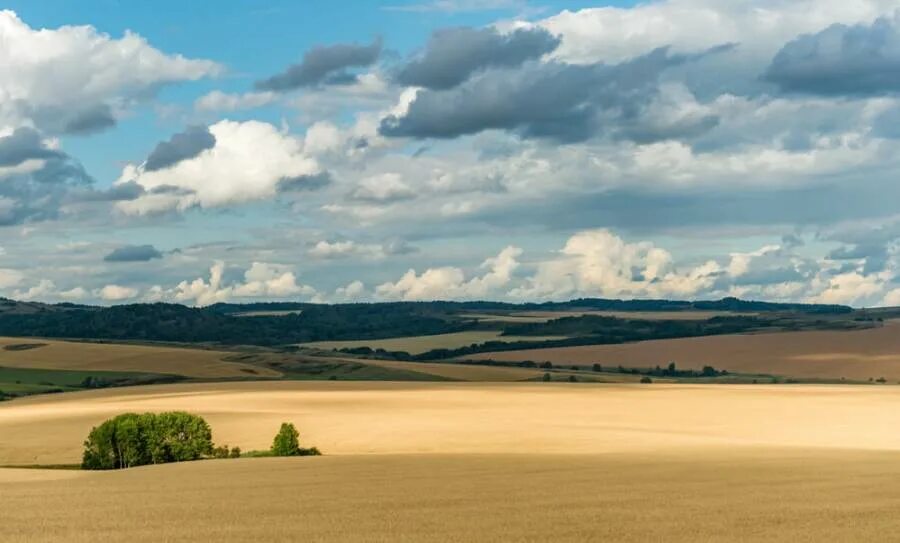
133 439
287 442
179 437
546 377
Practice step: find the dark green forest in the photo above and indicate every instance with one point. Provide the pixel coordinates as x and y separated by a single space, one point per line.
319 322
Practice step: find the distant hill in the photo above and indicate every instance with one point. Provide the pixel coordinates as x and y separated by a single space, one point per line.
596 304
320 322
13 307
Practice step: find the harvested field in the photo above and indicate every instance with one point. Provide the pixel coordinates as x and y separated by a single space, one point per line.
69 355
705 495
855 355
423 344
474 418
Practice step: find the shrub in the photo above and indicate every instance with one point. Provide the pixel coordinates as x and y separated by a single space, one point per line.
547 366
646 380
546 377
287 443
236 452
221 452
573 379
133 439
597 367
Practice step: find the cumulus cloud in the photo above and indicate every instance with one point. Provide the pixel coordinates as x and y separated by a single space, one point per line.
761 27
22 145
64 79
182 146
37 179
541 100
450 282
117 293
598 263
452 55
324 65
353 291
261 280
133 253
841 60
248 162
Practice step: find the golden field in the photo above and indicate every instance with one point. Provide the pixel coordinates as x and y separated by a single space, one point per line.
473 461
71 355
706 495
349 418
855 355
423 344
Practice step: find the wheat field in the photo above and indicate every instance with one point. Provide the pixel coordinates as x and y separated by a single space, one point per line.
349 418
765 495
473 462
71 355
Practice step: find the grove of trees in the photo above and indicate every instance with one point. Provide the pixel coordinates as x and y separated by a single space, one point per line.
134 439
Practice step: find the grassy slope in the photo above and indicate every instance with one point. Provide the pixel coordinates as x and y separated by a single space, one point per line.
17 381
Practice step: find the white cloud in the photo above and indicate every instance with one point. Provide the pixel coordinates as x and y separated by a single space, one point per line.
77 293
43 290
450 283
351 292
322 137
613 34
852 288
248 162
50 76
116 293
261 280
892 298
341 249
600 264
221 101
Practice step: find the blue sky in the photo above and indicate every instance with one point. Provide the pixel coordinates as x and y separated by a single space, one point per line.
496 149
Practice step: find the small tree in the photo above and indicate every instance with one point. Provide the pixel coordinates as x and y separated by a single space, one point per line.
287 442
236 452
597 367
546 377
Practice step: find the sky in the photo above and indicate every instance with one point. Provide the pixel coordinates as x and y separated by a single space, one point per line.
515 150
